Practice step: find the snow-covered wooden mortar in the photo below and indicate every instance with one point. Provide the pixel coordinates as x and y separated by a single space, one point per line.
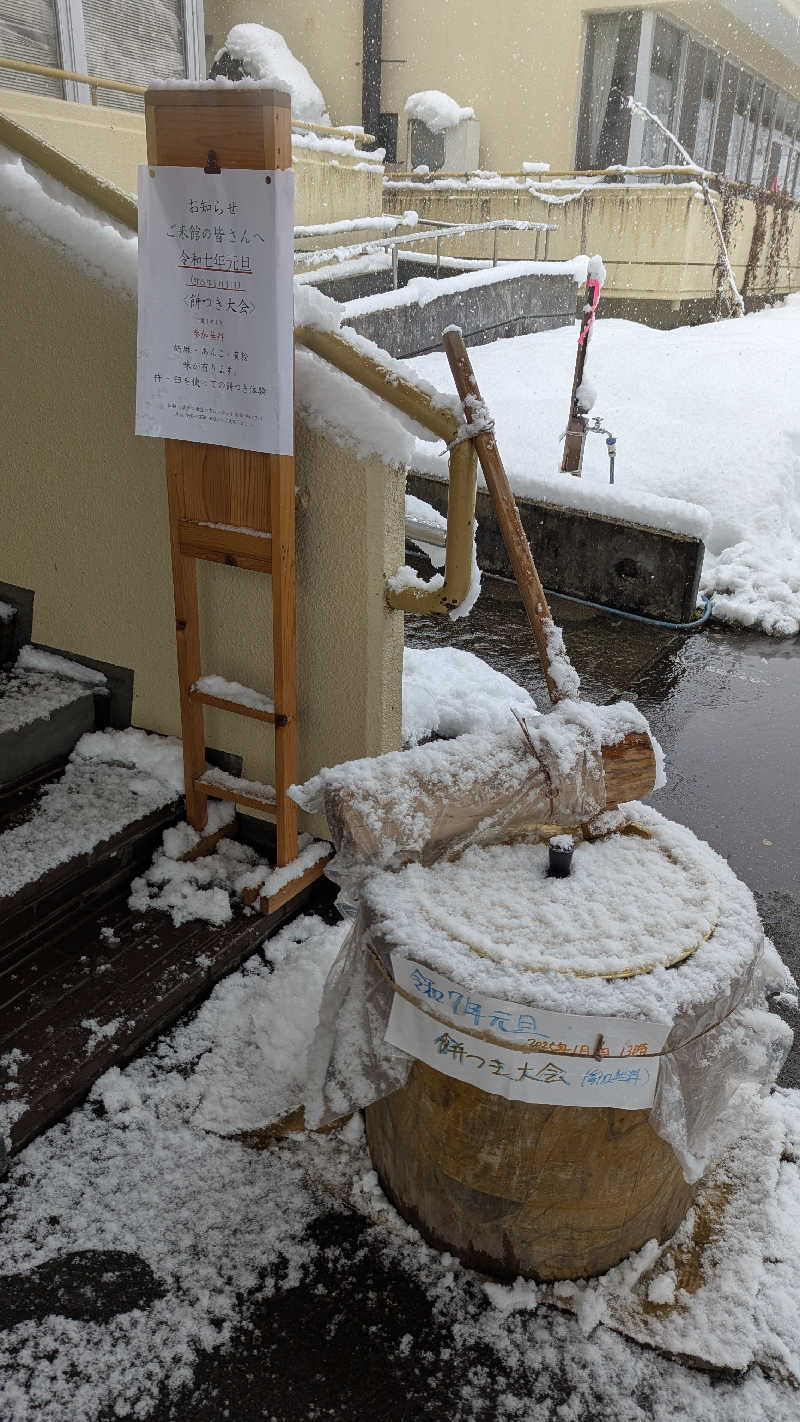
646 929
470 971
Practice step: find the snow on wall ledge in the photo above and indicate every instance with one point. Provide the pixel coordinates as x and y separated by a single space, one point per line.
634 506
420 290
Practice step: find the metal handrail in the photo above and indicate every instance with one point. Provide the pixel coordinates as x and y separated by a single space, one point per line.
94 83
442 420
668 173
446 231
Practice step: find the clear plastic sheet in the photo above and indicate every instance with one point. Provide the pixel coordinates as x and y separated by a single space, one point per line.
434 802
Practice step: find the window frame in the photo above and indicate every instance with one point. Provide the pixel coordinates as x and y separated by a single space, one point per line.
72 44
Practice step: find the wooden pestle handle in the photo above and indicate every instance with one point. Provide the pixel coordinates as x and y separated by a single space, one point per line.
514 537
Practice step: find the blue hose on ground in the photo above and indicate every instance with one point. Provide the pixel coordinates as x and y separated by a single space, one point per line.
692 626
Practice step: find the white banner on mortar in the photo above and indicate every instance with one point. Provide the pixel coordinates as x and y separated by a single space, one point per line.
216 318
549 1058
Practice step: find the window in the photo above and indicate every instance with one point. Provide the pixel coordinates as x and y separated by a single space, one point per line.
612 46
727 118
724 123
708 103
692 92
763 132
135 41
29 31
738 123
662 90
130 40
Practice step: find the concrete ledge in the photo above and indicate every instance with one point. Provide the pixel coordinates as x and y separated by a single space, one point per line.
485 312
605 560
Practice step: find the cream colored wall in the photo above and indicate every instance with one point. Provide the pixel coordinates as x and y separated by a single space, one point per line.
112 144
656 241
85 525
518 65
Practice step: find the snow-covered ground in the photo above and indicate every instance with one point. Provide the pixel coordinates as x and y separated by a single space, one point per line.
706 414
145 1168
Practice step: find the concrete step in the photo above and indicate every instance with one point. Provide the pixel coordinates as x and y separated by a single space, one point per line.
47 909
47 702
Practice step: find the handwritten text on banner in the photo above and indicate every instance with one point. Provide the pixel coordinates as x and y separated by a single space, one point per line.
549 1056
216 338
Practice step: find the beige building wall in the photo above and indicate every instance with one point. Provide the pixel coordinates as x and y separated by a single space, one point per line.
85 525
518 65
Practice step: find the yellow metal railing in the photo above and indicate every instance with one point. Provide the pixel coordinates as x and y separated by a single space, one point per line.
48 71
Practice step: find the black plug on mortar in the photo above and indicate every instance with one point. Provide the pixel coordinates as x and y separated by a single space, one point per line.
559 852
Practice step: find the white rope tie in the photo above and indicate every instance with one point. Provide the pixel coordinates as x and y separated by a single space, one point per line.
478 421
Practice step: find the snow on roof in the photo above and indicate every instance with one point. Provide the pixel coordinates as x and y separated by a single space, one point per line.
267 57
436 110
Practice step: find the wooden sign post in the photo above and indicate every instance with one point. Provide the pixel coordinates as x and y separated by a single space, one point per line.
230 505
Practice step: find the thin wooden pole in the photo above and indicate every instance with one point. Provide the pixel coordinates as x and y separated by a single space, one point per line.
575 437
517 546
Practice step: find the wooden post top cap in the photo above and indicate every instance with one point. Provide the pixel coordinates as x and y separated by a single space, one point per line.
217 96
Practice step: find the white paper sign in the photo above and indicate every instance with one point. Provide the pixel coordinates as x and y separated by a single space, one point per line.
549 1057
216 338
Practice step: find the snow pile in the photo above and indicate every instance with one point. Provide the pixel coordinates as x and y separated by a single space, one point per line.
209 886
256 1029
690 409
419 291
756 582
132 1171
224 690
113 778
101 247
37 659
436 110
447 692
27 696
265 56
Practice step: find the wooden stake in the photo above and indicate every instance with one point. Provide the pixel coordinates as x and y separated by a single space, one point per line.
575 437
517 546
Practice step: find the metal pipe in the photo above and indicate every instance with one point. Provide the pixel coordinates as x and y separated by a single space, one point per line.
371 44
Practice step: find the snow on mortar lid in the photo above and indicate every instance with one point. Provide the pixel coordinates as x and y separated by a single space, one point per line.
602 941
630 905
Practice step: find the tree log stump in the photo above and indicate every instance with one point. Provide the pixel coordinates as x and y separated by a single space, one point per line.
516 1189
